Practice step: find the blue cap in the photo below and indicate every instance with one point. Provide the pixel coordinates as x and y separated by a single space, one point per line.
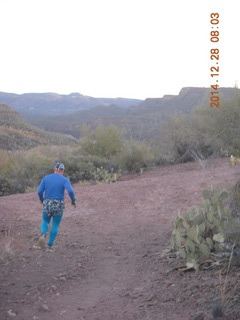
59 166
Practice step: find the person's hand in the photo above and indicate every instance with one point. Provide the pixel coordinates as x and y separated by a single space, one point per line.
74 204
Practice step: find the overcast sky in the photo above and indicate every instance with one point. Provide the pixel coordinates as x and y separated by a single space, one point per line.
116 48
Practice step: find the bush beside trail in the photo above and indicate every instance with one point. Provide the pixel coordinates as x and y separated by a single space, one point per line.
103 151
208 232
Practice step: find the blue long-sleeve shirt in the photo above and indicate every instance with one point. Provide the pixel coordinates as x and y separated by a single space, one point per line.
53 186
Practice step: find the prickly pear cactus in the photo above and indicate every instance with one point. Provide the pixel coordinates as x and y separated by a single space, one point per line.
102 175
205 230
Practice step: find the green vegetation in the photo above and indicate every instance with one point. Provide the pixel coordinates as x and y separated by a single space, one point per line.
207 231
102 175
205 133
21 170
103 142
100 155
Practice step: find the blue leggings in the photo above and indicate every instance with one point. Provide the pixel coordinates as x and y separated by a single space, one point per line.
46 219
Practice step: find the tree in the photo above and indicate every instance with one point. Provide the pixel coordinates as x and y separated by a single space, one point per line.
206 132
104 142
220 127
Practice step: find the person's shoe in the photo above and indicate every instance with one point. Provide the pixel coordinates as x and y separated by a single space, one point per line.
50 249
41 241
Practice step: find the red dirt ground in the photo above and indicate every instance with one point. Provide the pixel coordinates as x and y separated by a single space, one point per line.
110 262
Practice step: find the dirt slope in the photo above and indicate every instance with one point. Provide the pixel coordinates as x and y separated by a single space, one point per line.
109 262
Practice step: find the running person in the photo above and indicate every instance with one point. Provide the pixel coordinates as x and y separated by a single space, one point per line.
51 194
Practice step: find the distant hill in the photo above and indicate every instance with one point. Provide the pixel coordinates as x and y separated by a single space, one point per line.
138 121
52 104
17 133
72 123
188 99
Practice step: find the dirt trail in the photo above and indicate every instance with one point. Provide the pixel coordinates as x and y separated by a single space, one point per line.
109 262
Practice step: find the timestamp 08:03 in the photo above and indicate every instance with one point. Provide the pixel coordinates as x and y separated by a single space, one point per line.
214 56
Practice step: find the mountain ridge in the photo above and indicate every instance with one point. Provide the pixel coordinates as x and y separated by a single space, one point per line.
55 104
141 119
147 115
15 132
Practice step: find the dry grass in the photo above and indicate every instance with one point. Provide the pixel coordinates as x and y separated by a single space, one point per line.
6 244
228 287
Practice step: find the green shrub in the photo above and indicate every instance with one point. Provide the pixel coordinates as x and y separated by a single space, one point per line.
23 169
83 166
104 142
5 186
205 230
134 157
104 176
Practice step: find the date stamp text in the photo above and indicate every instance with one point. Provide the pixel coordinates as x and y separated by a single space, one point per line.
214 56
